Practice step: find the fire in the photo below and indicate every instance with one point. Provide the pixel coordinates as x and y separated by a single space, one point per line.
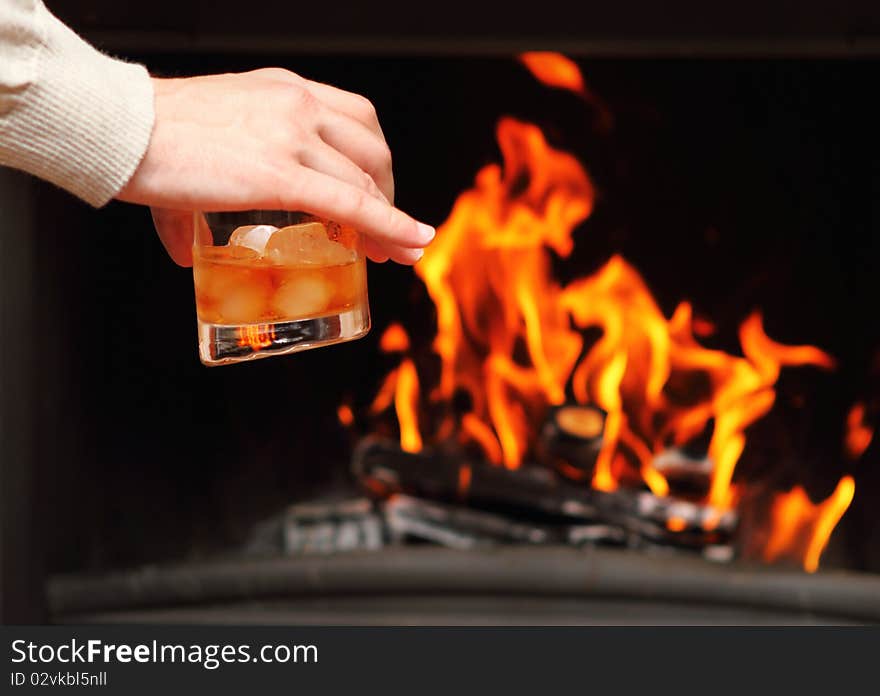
554 69
464 479
406 399
483 435
676 524
401 387
394 340
801 529
747 395
488 274
514 341
345 414
858 433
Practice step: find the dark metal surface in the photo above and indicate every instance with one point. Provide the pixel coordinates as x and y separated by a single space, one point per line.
631 28
461 610
545 572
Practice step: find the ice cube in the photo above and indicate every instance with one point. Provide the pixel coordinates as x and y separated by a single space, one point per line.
252 237
303 296
242 303
307 244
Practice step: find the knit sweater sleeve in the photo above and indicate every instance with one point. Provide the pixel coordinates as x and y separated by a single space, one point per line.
68 113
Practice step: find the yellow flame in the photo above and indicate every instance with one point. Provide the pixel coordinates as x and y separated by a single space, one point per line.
385 396
801 529
406 400
829 515
512 338
608 397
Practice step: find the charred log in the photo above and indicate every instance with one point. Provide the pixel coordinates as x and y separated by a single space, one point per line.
538 494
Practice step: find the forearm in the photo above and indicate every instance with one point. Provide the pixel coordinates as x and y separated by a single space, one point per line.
264 139
68 113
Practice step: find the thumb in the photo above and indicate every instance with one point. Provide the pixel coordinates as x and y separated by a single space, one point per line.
175 228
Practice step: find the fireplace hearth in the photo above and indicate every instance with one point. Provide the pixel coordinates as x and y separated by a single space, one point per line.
640 386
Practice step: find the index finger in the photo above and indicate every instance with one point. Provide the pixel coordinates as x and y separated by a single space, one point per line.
337 200
175 229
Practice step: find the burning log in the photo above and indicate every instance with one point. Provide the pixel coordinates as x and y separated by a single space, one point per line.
581 423
571 439
539 494
687 474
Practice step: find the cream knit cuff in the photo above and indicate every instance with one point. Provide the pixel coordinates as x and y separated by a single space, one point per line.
84 122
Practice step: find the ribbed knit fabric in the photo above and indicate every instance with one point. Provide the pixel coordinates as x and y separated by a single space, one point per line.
68 113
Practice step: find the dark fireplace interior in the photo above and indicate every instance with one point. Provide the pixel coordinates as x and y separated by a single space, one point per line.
736 183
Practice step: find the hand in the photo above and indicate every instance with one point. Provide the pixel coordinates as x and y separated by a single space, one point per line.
269 139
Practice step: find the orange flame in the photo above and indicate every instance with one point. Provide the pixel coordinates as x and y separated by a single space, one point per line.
554 69
702 327
801 529
401 387
394 340
508 334
464 480
504 298
345 414
489 277
482 434
512 339
406 401
676 524
858 433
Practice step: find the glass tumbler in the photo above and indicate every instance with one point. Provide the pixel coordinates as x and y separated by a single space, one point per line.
273 282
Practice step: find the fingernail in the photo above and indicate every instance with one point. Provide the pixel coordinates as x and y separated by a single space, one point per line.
419 254
426 233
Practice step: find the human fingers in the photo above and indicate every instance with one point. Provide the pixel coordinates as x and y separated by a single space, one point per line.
359 144
355 105
380 253
374 251
323 195
323 158
175 229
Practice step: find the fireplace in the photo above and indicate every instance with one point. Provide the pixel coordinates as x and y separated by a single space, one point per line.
638 365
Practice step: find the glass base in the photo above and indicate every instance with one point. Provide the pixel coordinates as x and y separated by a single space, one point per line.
221 344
